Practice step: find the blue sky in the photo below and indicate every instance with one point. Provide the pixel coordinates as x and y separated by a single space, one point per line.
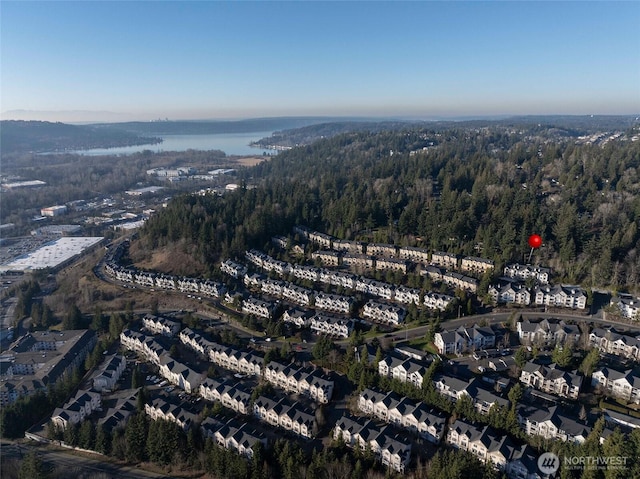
146 60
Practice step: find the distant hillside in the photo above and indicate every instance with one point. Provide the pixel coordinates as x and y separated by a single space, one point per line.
42 136
208 127
554 126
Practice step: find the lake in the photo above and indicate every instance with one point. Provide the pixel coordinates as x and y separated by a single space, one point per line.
230 143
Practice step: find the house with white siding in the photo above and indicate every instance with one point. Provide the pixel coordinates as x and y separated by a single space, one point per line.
551 379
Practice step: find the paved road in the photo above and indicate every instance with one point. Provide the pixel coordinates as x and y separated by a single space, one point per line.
74 463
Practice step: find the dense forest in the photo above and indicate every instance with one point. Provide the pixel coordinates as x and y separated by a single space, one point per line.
480 191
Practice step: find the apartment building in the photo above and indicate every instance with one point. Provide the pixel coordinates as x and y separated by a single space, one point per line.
161 325
231 434
390 449
547 332
551 379
76 409
384 313
623 385
414 416
307 381
523 272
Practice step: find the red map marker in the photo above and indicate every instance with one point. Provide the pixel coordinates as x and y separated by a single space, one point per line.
535 241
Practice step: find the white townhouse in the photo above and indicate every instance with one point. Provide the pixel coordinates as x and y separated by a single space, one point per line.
403 369
434 273
407 295
550 379
619 384
253 280
375 288
476 265
231 396
307 381
382 249
404 412
145 278
308 273
292 417
464 339
165 281
629 305
348 246
256 257
445 260
180 374
331 325
76 409
518 461
338 278
321 239
547 331
146 346
391 450
334 303
212 289
272 287
159 408
564 296
195 341
384 313
391 264
358 260
457 280
258 307
453 389
327 257
243 361
299 317
242 438
437 301
233 269
412 253
510 292
613 342
107 376
189 285
161 325
550 423
297 294
526 271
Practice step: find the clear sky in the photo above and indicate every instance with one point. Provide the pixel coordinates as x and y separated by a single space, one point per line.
74 61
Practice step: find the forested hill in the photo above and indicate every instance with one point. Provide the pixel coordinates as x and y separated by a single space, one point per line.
553 127
42 136
206 127
472 191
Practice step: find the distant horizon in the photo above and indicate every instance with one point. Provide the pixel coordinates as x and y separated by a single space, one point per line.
63 117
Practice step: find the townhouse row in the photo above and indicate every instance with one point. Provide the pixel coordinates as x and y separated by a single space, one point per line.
403 412
76 409
232 396
282 413
160 408
171 369
361 284
464 339
547 332
307 381
151 279
611 341
241 438
623 385
382 251
551 379
560 295
495 449
390 449
239 360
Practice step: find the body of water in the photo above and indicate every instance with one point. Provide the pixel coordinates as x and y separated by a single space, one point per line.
230 143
